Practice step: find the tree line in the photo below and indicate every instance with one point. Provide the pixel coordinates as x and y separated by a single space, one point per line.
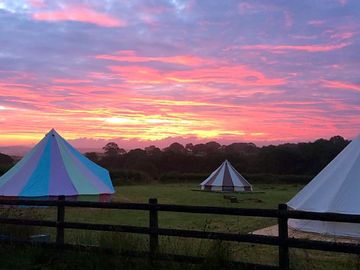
188 162
195 162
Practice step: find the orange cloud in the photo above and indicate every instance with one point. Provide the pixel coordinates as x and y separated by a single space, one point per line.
192 103
80 14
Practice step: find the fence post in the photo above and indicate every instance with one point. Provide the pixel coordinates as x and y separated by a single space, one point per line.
283 237
153 225
60 221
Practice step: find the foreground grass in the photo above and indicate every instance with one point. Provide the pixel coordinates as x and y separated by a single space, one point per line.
266 196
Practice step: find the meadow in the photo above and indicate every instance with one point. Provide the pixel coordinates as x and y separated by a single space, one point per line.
265 196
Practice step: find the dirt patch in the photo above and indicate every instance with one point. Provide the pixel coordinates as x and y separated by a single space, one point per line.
273 231
255 200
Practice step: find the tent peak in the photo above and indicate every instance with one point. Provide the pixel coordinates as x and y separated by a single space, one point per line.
52 132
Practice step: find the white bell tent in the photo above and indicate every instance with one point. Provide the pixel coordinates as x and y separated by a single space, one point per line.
336 189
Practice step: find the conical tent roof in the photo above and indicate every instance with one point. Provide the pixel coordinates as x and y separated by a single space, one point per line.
52 168
335 189
226 178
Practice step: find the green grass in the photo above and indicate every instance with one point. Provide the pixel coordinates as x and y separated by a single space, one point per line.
265 196
184 194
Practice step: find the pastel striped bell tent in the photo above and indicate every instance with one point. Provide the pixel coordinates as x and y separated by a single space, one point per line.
53 168
227 179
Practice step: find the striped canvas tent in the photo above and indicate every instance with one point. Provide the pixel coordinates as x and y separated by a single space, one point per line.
226 178
52 168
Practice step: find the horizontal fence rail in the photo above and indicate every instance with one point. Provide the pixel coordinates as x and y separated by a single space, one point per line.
283 241
335 217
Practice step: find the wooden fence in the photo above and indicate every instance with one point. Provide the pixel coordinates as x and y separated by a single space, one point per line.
283 241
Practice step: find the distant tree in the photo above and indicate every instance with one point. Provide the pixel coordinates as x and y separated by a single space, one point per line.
339 141
111 149
241 148
152 150
136 154
175 148
212 147
285 159
189 147
93 156
199 149
5 160
5 163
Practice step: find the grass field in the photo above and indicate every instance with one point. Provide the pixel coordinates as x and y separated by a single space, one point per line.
265 196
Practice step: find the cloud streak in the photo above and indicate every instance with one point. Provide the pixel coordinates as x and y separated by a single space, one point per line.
341 85
80 13
131 56
304 48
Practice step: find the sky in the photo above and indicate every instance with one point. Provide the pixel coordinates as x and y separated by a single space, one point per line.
152 72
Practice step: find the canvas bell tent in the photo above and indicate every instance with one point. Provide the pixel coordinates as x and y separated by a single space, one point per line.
226 178
52 168
335 189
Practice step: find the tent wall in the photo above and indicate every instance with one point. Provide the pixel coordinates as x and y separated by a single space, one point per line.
336 190
325 227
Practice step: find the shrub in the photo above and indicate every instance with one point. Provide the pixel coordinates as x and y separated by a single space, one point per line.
121 177
176 177
263 178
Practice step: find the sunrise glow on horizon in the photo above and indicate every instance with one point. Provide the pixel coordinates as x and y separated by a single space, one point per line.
191 70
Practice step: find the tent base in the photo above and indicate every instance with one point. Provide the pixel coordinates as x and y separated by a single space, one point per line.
92 198
226 189
326 228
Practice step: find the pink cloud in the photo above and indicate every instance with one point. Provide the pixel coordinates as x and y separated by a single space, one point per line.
131 56
37 3
342 36
343 2
80 14
204 70
305 48
341 85
240 75
303 36
70 81
251 7
316 22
